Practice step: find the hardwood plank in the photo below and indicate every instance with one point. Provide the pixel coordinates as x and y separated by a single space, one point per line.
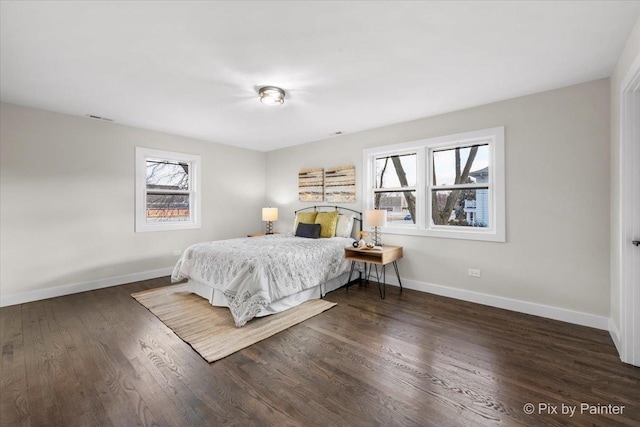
14 404
40 380
109 384
413 359
77 405
98 407
159 345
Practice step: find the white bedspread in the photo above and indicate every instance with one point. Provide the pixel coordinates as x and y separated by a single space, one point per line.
254 272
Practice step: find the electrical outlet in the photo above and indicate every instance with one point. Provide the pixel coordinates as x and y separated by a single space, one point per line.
177 253
474 272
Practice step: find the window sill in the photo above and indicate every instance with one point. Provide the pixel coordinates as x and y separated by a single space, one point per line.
487 236
143 228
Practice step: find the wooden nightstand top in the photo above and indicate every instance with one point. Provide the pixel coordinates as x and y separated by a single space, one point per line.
258 234
382 256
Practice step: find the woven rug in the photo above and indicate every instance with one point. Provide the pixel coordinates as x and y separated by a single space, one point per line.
210 330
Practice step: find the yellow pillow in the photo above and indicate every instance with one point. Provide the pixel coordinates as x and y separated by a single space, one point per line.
305 218
327 221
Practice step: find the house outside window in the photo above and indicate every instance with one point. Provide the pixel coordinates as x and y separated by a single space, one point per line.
451 186
477 210
167 190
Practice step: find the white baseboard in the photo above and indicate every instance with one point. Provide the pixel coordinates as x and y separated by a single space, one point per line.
40 294
556 313
615 336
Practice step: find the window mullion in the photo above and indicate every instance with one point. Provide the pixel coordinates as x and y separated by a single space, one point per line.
394 189
421 188
428 180
481 186
161 191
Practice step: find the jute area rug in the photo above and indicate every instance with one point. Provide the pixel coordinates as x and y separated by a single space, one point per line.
210 330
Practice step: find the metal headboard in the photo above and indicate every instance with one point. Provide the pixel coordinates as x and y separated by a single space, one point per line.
338 208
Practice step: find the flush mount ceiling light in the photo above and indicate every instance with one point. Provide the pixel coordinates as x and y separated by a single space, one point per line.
271 95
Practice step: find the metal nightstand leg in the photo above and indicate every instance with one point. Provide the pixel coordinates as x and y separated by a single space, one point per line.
353 264
395 266
382 285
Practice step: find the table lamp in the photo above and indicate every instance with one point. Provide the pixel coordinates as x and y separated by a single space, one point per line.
375 218
269 215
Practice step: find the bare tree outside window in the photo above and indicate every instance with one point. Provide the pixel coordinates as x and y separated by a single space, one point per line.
168 195
396 187
167 191
463 199
449 186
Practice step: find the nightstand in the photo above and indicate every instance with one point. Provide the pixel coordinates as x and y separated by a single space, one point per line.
387 254
258 234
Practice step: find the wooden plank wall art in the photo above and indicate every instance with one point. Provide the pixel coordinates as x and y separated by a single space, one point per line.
340 184
311 185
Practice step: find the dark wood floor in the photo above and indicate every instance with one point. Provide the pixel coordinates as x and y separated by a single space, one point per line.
100 358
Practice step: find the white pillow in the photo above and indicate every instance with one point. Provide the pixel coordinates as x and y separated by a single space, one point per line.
344 225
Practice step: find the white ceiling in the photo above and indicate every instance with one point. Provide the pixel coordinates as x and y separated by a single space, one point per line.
193 68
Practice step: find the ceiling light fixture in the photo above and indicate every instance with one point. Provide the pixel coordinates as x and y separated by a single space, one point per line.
271 95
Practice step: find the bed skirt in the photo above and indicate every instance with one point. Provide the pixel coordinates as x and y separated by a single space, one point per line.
217 298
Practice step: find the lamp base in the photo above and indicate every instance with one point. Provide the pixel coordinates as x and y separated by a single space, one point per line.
377 239
269 227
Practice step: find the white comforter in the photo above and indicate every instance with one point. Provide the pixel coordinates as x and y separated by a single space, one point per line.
254 272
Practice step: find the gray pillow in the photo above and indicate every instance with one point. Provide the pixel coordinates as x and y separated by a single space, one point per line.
311 231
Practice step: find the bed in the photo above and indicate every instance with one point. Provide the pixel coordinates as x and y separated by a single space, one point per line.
258 276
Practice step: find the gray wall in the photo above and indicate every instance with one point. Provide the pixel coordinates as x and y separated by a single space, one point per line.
557 181
67 199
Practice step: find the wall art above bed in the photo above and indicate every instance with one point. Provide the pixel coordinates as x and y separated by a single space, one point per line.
340 184
311 185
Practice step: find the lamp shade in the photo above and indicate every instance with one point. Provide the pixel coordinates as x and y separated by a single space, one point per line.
375 218
269 214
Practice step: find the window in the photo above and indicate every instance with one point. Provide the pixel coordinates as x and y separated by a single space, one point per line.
395 186
167 190
460 186
451 186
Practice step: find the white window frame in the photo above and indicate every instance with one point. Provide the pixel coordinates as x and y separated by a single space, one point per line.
496 232
417 188
144 154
